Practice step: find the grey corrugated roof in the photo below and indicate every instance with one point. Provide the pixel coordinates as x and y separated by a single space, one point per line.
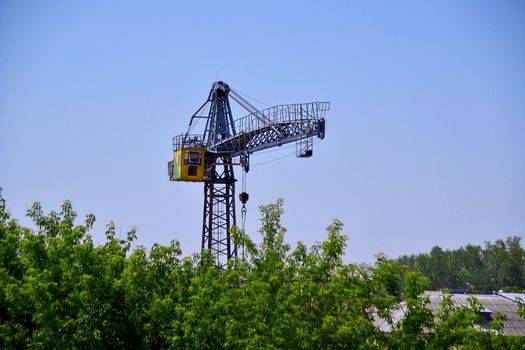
514 325
397 315
513 296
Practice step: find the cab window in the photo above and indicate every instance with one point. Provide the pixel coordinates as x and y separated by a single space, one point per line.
192 158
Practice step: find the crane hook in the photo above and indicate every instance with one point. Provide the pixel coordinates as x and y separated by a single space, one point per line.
243 197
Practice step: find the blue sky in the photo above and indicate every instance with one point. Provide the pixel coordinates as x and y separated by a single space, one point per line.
425 139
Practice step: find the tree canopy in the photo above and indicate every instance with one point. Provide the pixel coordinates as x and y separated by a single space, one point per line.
58 290
474 269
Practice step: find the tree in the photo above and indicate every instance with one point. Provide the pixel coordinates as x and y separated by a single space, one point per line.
499 265
59 290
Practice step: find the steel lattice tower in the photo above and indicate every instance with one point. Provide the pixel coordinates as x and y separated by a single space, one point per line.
219 211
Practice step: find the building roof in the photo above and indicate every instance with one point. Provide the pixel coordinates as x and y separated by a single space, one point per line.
491 305
513 296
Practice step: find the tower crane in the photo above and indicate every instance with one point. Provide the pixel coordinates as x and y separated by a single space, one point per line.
209 155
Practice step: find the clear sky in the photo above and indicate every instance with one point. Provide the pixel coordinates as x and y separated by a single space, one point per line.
425 140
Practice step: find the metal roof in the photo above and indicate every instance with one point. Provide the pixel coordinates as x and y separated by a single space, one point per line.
491 304
513 296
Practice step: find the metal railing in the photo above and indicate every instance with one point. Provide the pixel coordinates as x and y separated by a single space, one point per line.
282 114
188 140
273 116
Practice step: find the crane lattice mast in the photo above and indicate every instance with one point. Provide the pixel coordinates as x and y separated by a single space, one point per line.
209 156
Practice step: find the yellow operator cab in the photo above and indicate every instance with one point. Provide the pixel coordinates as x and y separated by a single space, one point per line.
187 165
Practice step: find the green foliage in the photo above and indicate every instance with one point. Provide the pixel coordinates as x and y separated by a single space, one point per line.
59 290
474 269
